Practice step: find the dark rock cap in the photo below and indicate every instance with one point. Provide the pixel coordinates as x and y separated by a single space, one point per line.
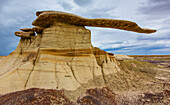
38 30
26 29
23 34
48 18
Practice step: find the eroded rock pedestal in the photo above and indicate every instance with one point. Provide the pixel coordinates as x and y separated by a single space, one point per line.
58 54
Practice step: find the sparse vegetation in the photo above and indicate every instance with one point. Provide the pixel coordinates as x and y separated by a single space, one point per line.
138 67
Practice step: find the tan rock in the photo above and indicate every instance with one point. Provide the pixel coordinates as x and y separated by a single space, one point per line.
38 30
122 57
25 34
48 18
1 57
26 29
54 64
60 55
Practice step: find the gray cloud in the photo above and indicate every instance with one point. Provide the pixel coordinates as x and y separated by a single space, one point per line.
99 13
157 12
66 5
83 2
138 47
8 41
156 7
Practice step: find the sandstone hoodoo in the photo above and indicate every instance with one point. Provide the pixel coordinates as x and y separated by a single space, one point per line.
57 54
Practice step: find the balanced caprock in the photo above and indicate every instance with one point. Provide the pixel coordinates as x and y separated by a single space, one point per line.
57 54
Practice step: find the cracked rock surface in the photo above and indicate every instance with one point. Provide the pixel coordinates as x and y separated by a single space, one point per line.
58 57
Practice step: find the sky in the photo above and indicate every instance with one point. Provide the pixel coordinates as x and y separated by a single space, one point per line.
154 14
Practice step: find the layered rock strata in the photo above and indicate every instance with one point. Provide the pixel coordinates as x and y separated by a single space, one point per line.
60 54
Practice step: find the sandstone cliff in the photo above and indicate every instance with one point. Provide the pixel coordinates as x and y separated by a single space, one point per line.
57 54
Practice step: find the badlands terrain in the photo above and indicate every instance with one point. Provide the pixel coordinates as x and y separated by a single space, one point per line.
139 83
55 63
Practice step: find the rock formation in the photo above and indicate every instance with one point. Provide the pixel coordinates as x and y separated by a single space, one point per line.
122 57
60 55
48 18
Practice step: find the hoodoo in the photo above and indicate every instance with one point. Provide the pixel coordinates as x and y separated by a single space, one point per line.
60 55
